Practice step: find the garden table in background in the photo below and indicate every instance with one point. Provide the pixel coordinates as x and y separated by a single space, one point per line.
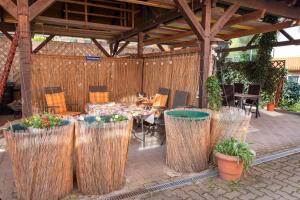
242 97
137 112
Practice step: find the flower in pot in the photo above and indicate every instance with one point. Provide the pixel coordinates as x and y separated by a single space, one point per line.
232 158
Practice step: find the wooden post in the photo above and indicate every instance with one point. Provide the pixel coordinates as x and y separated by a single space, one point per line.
140 44
205 53
25 53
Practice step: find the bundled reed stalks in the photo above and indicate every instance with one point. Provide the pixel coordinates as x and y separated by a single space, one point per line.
42 161
101 155
187 143
229 122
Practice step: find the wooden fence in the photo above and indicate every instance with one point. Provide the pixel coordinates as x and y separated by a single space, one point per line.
177 72
123 77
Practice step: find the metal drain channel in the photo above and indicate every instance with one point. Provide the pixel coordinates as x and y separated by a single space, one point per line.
198 177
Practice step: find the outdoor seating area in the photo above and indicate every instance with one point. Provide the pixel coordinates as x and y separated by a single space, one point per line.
161 102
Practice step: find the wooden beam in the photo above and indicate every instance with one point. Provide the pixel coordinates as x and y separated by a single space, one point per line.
172 52
122 47
102 49
276 44
253 39
116 46
48 39
25 54
262 29
288 36
10 7
158 4
140 47
279 8
205 53
7 35
39 7
79 24
153 23
223 20
190 18
255 15
161 48
168 38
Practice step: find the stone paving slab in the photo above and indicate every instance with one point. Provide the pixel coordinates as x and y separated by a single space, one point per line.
277 179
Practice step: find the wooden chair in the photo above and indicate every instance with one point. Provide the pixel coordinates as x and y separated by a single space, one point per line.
56 103
98 94
254 90
228 95
180 99
239 88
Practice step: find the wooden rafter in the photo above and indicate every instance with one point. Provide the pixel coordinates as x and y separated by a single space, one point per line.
10 7
38 7
161 48
48 39
288 36
140 44
276 44
190 18
168 38
255 15
153 23
122 47
279 8
79 24
102 49
262 29
224 19
159 4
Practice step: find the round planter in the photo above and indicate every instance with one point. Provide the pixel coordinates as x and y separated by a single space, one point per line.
229 122
101 155
230 167
41 161
187 141
270 107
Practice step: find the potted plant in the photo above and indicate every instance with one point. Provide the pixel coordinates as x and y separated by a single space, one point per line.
232 158
41 150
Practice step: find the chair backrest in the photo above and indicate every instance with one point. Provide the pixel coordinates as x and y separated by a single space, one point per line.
160 100
254 89
228 92
98 88
238 88
164 91
55 99
180 99
98 94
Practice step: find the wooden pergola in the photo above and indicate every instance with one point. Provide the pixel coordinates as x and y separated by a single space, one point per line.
178 24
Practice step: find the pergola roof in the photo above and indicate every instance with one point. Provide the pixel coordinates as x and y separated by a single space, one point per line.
120 20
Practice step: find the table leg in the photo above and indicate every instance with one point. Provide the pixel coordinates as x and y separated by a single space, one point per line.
143 132
241 103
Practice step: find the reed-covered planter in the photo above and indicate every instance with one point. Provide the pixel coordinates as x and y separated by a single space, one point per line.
101 154
188 137
229 122
41 160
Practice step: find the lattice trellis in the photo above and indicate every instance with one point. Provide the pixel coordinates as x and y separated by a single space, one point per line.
281 65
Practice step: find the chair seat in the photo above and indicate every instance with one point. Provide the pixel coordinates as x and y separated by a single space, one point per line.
69 113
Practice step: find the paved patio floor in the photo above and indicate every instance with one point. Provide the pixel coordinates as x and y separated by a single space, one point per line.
146 166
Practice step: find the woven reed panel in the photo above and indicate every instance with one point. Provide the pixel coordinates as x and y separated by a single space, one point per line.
14 74
74 75
178 72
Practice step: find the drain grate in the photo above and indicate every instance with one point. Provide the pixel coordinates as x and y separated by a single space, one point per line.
198 177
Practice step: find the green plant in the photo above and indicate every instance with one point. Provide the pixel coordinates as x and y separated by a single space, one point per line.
214 93
232 147
45 120
290 94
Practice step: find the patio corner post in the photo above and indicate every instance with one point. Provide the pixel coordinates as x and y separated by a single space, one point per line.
25 53
204 53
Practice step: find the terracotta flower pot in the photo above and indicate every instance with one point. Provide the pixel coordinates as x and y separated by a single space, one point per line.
230 167
270 107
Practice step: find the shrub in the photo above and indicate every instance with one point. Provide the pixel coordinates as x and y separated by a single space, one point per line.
291 94
214 93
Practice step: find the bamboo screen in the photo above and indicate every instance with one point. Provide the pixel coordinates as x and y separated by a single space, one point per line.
177 72
74 75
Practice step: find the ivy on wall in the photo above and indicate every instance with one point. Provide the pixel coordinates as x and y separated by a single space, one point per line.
260 71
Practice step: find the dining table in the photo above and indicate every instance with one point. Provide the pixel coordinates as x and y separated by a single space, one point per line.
139 112
242 97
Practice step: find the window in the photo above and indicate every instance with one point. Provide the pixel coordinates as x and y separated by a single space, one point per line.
293 79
